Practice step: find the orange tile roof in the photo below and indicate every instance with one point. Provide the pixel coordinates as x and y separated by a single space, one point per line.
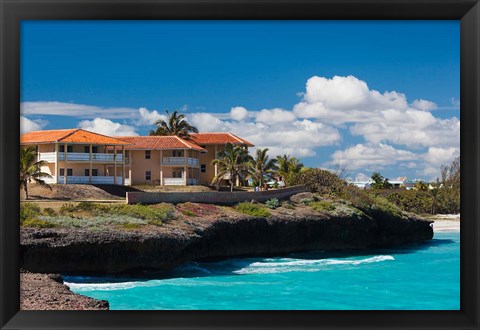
77 135
218 138
158 142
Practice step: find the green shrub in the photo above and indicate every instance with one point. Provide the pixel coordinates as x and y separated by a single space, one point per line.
37 223
307 201
49 211
288 205
272 203
85 206
252 209
320 181
68 208
189 213
322 206
29 211
143 211
129 225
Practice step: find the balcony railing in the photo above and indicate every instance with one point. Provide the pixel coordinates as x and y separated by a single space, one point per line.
173 181
179 181
179 161
80 156
86 179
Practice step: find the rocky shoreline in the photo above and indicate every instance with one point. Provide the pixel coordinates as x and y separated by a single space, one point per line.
142 252
47 292
82 252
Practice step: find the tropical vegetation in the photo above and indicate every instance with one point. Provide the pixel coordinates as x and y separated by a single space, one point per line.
262 168
30 169
176 124
233 163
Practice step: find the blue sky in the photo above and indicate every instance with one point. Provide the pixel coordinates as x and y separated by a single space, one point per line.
371 95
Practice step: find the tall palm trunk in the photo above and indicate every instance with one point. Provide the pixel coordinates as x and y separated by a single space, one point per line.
25 187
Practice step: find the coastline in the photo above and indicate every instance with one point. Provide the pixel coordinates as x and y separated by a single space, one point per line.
48 292
446 222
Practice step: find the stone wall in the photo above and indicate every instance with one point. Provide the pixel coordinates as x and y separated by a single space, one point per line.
214 197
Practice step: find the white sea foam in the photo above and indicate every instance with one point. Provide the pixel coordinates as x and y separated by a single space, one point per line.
292 265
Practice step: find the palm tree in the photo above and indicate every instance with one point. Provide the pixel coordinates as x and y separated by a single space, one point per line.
232 163
30 169
262 167
176 124
421 186
288 167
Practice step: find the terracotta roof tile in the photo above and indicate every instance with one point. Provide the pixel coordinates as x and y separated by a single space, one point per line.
68 135
218 138
158 142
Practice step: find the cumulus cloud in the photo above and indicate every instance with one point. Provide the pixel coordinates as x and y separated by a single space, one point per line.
28 125
275 116
424 105
148 118
107 127
378 117
440 156
371 156
299 137
238 113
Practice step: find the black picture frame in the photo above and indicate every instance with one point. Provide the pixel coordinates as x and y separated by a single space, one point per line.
13 11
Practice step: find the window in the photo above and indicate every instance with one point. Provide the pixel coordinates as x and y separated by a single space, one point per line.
148 154
69 171
94 172
148 175
177 153
62 172
87 149
203 168
87 172
69 148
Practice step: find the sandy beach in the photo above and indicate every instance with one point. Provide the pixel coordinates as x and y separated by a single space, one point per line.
446 222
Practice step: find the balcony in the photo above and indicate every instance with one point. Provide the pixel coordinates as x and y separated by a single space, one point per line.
80 156
179 161
86 179
179 182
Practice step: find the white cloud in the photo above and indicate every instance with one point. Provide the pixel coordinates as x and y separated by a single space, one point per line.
298 138
148 118
75 110
275 115
440 156
238 113
206 122
370 156
424 105
107 127
28 125
377 117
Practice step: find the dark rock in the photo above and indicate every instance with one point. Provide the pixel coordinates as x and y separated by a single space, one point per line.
79 251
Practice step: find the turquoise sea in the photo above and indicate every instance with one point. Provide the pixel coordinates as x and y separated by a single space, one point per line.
415 277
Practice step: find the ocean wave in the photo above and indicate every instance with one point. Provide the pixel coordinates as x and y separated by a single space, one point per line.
292 265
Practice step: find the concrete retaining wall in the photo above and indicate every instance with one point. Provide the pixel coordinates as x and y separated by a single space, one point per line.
214 197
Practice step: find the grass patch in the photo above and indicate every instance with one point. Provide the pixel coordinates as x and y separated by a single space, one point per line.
252 209
189 213
37 223
29 211
154 214
322 206
272 203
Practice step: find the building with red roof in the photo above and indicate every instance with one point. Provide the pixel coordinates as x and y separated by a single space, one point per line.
80 156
